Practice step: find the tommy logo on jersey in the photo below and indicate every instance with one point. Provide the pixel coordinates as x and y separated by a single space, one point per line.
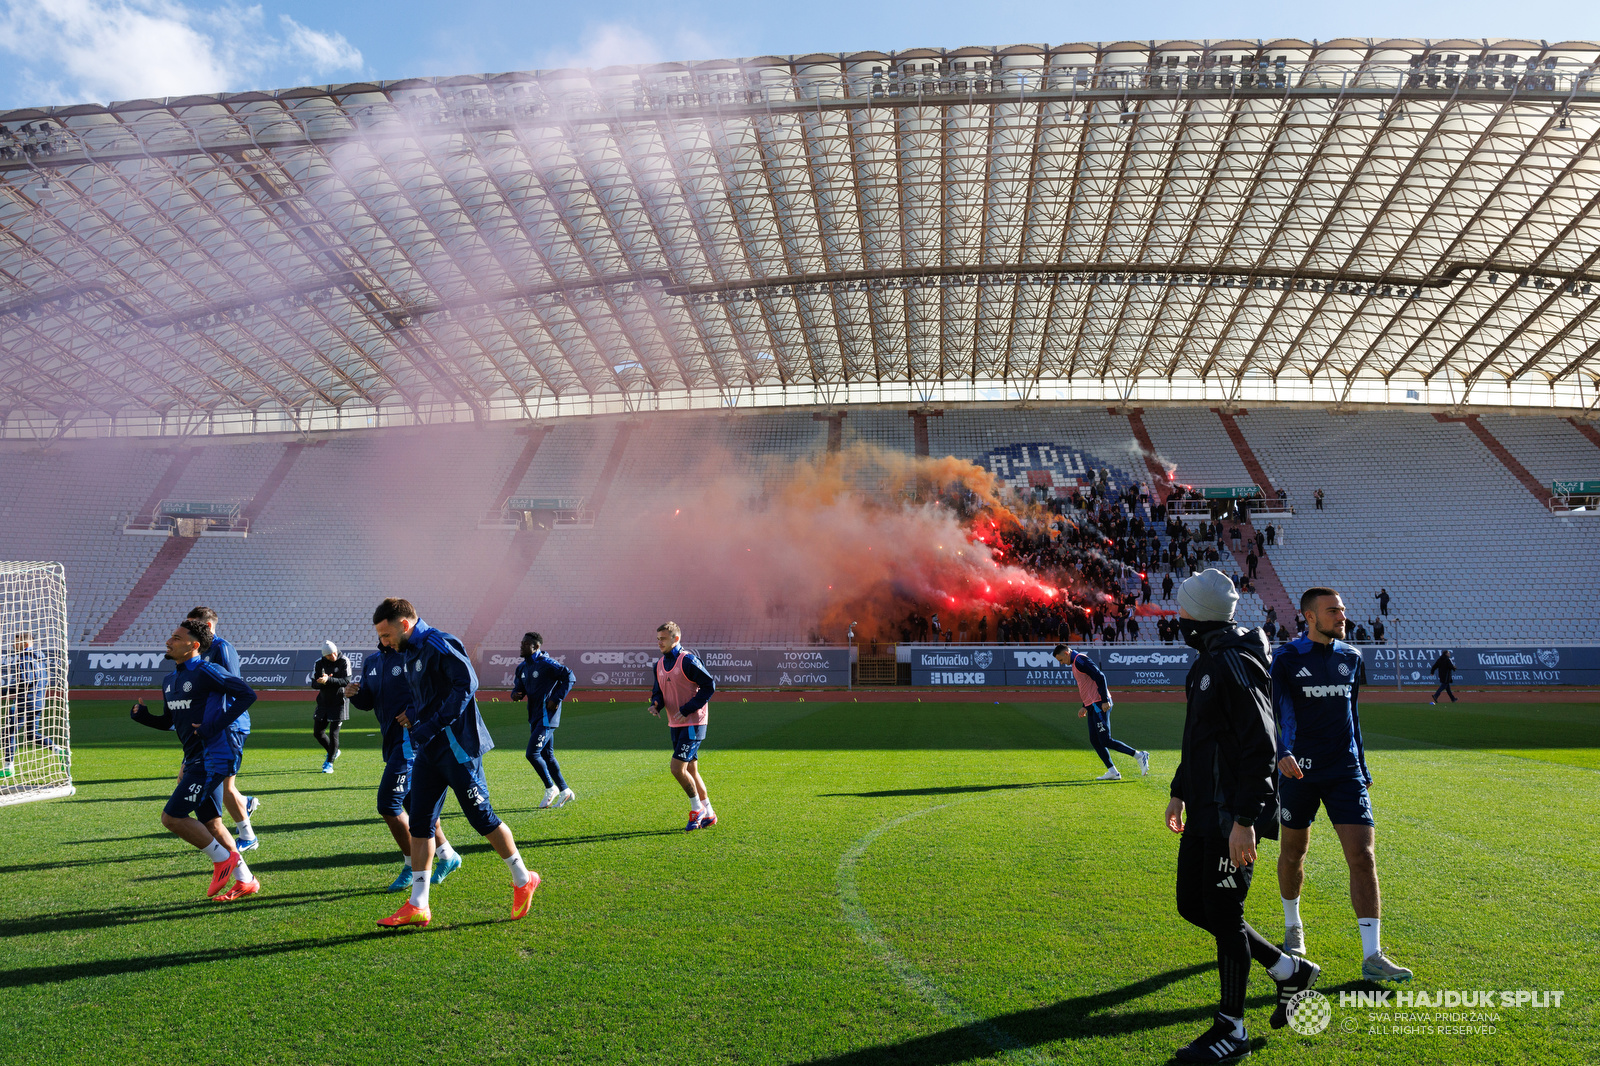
1325 690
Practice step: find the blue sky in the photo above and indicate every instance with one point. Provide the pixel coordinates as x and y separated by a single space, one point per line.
68 51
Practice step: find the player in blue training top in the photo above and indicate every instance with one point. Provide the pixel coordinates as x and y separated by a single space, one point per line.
384 691
450 740
201 701
1316 688
1096 699
24 677
544 683
240 806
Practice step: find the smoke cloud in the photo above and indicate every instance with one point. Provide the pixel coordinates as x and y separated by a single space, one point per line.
839 539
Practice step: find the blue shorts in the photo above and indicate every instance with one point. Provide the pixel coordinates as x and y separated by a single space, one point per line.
1344 797
431 779
199 792
226 754
395 784
686 742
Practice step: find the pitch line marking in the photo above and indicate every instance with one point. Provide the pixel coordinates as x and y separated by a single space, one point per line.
855 915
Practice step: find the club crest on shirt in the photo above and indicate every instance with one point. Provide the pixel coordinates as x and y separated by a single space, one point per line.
188 685
1344 669
394 671
1205 682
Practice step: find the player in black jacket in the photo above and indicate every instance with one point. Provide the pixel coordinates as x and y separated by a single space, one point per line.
1225 783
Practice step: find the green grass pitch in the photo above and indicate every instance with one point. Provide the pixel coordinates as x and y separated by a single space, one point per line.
890 883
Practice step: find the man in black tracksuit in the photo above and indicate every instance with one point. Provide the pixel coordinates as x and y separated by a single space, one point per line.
329 677
1445 668
1225 782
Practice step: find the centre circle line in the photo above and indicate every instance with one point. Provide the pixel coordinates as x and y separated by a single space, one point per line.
855 915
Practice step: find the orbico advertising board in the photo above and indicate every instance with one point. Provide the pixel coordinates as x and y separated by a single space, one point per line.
812 667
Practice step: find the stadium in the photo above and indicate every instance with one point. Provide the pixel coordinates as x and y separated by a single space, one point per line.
881 375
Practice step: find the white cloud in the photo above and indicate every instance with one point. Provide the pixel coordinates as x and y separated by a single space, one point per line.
617 44
327 52
106 50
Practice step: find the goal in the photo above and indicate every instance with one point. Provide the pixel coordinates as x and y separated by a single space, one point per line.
35 744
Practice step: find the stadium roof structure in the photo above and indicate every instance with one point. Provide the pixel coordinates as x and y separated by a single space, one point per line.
1343 222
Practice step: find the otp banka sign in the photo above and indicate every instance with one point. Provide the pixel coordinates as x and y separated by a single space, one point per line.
1057 466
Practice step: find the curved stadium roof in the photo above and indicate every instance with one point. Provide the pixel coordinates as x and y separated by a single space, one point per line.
1354 221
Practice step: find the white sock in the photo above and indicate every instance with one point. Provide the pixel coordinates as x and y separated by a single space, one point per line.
215 852
1370 943
695 805
446 852
407 865
1291 911
242 872
419 888
243 830
1283 969
1238 1025
519 873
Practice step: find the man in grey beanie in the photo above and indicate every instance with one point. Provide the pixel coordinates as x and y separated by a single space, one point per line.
329 677
1225 783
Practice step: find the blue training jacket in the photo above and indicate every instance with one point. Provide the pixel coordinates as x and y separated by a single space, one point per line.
225 655
538 678
443 686
1316 691
385 692
201 703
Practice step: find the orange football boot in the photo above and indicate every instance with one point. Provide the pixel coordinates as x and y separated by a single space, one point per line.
222 873
522 897
239 890
407 915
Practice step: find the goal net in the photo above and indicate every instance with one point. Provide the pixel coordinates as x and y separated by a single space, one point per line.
35 744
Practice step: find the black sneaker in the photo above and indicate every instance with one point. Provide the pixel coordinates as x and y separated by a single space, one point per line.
1305 975
1217 1044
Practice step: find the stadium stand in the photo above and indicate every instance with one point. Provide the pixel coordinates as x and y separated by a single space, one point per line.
1417 505
1421 507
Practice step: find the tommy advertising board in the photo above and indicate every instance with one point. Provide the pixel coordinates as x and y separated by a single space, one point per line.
144 667
1168 664
1010 664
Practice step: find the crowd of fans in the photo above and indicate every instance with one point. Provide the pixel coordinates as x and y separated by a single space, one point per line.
1118 557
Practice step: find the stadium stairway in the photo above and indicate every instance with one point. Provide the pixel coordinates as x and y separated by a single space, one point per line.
527 543
1268 585
165 562
1499 451
1590 434
1158 474
176 549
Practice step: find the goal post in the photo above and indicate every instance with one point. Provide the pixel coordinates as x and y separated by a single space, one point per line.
35 740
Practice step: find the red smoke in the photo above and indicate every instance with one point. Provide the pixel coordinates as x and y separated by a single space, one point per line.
855 536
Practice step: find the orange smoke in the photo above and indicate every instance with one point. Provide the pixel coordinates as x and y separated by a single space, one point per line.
853 537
